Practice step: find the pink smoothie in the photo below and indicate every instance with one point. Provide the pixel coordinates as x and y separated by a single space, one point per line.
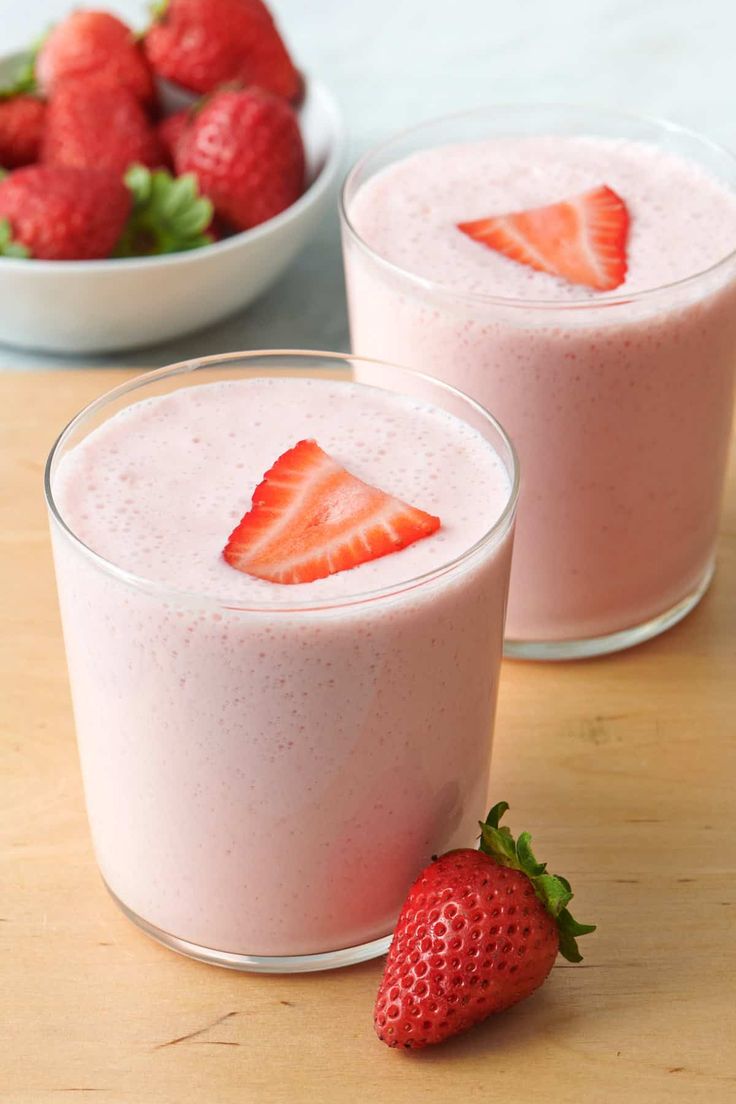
620 412
266 767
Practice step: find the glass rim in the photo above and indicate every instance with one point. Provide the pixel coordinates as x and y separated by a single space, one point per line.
494 533
607 299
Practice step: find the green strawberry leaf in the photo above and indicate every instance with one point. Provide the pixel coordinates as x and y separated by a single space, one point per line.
169 215
526 856
498 843
158 9
552 892
138 181
8 247
569 929
23 79
552 889
495 814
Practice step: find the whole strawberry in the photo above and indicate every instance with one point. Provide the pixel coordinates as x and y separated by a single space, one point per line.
62 214
94 44
21 128
96 126
246 151
201 44
479 931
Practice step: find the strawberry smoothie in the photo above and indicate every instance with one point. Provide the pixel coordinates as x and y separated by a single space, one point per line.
267 766
618 402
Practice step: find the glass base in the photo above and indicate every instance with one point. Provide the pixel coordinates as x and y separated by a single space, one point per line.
613 642
258 964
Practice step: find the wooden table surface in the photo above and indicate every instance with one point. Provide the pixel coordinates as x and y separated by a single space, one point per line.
623 769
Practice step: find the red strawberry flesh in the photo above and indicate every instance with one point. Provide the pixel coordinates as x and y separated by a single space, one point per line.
310 518
582 239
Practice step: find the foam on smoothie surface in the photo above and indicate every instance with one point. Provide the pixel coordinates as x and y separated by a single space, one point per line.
157 488
683 220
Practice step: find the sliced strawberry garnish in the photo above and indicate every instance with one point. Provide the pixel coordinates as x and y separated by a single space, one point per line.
310 518
582 239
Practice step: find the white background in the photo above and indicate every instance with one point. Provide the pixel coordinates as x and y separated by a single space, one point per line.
395 62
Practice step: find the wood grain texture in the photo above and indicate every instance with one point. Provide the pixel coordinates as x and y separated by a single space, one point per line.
622 768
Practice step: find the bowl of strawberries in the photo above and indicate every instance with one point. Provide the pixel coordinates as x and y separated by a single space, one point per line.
151 184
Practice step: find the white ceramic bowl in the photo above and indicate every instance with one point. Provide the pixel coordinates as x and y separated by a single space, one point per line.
101 306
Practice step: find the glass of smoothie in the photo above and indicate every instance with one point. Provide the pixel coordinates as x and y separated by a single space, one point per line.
267 764
618 396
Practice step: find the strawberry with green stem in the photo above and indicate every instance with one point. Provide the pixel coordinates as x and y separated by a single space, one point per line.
57 213
479 932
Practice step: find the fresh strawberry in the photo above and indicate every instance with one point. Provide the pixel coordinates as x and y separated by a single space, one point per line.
170 132
246 151
21 129
95 126
310 518
582 239
479 931
201 44
62 214
94 44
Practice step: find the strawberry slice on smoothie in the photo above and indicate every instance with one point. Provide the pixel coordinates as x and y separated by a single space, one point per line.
582 239
311 518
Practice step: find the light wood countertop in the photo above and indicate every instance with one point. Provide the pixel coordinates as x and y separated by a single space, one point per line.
623 769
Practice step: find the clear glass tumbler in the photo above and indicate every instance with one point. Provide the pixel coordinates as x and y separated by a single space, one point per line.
222 826
620 406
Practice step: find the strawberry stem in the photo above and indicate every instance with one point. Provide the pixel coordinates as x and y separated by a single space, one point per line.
158 9
552 889
169 215
8 247
23 79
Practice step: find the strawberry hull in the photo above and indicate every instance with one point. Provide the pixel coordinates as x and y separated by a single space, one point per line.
284 760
